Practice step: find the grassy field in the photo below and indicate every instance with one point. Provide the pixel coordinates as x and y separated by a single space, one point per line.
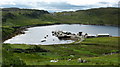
92 50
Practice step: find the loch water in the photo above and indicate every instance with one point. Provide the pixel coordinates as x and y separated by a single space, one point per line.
34 35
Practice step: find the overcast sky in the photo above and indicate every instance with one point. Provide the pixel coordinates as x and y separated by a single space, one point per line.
58 5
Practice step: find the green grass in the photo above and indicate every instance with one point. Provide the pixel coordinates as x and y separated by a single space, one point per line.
105 60
92 49
111 41
97 16
93 53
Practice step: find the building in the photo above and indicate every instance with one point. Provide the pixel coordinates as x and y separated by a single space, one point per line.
103 35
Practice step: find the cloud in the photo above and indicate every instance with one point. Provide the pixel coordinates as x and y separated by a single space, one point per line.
104 2
59 5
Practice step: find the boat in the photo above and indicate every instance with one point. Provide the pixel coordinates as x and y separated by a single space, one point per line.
43 40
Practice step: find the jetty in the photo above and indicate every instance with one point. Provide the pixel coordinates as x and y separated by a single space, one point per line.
63 35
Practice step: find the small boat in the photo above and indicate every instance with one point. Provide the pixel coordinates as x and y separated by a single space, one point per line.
43 40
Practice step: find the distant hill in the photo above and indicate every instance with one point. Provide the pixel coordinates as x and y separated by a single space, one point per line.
21 17
14 18
99 16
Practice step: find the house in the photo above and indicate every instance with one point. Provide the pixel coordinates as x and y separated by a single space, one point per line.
103 35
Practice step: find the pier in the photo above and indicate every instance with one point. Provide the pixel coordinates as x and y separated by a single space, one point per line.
63 35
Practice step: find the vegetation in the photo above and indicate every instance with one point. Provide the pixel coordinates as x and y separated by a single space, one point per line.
96 51
91 50
96 16
21 17
14 18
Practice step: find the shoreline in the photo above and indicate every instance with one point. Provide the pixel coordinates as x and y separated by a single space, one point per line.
20 29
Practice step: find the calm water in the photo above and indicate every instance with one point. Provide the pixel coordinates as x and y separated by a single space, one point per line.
35 35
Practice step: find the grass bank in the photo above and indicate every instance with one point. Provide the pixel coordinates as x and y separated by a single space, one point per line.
96 51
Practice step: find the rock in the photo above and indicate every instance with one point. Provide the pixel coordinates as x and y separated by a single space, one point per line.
69 59
84 61
72 55
53 34
53 60
81 61
46 35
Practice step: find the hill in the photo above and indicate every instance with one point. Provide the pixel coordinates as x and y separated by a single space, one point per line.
99 16
15 18
21 17
96 16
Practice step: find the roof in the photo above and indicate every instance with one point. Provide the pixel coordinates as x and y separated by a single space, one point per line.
103 34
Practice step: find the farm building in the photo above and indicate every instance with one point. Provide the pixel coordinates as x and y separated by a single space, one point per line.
103 35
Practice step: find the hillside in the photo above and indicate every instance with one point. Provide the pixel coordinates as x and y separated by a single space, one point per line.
14 18
20 17
96 16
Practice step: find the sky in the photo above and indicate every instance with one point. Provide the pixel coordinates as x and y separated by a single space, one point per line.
58 5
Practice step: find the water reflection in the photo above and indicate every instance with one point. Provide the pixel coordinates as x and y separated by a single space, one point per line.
35 35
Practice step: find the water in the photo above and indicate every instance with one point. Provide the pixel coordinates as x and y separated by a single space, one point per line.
35 35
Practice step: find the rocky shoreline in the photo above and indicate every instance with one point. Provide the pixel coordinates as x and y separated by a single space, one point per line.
20 29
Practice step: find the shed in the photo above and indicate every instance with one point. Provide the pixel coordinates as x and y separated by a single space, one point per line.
103 35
